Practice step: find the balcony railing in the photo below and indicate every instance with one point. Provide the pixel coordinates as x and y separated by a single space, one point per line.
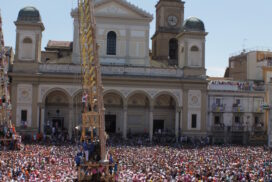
239 128
258 128
218 107
237 108
258 110
218 128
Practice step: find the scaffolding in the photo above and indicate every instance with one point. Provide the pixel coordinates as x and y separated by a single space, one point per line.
4 81
93 125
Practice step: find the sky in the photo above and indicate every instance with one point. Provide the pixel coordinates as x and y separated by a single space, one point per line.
232 25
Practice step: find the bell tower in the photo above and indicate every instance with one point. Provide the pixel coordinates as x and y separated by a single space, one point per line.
169 21
192 41
29 28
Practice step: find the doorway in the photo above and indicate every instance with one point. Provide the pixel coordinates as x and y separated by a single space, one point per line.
58 123
110 123
158 125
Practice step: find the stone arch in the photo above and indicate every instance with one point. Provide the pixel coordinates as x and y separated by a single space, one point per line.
150 100
118 35
56 89
57 111
117 93
27 40
194 48
177 102
165 109
139 106
114 105
76 93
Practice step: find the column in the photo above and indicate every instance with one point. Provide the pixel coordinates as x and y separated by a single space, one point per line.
177 124
125 122
38 119
151 122
13 97
70 130
180 121
42 119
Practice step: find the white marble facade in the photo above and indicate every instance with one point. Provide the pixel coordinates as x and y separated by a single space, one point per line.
130 24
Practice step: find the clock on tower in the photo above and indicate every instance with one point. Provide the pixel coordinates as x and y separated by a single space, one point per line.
169 21
172 20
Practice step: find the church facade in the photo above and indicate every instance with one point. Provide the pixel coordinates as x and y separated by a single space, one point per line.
143 93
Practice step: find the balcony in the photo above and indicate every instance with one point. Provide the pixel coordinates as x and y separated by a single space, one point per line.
258 128
228 85
259 110
218 107
239 128
116 70
237 108
218 128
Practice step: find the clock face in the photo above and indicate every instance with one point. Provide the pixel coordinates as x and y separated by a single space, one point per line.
172 20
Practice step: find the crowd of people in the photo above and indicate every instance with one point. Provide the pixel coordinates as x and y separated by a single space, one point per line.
140 160
163 163
38 163
237 85
9 140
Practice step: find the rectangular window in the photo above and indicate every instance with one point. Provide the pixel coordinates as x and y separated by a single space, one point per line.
232 64
216 120
218 102
256 120
238 101
194 120
24 115
237 119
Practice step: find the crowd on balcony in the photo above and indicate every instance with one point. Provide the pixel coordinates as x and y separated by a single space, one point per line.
235 85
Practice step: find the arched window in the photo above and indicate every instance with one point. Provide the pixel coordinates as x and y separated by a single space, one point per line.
27 40
27 49
194 49
173 49
111 43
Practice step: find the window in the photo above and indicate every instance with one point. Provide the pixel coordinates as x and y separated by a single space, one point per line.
218 102
216 120
24 115
238 101
27 49
111 43
194 49
27 40
232 64
237 120
256 120
194 122
173 49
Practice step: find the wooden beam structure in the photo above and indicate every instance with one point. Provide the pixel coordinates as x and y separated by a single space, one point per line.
93 124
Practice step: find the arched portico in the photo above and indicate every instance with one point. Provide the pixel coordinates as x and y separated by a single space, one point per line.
113 103
139 106
57 111
166 114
